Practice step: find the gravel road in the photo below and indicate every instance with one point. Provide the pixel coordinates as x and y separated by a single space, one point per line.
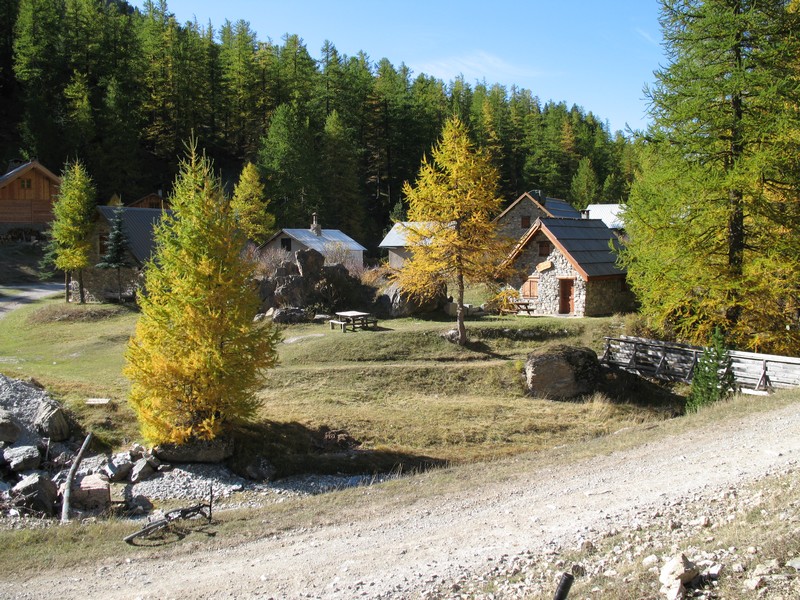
412 550
25 294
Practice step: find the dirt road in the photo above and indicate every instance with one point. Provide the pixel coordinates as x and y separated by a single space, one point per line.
399 554
18 295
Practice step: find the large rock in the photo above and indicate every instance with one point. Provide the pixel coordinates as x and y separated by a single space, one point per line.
290 291
394 302
674 576
562 372
213 451
309 263
22 458
143 470
51 421
9 428
119 467
93 492
36 492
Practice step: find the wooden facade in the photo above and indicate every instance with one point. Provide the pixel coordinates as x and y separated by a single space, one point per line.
152 200
27 194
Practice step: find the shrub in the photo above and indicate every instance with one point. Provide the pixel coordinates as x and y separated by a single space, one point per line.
713 378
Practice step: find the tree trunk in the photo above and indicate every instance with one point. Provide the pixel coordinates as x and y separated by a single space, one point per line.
462 329
66 286
81 293
119 286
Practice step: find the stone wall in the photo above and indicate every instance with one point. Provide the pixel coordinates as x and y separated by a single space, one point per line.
510 225
609 296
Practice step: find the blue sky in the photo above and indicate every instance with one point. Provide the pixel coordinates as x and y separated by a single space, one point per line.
596 54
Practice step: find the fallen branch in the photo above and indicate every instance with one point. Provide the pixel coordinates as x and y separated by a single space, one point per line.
71 477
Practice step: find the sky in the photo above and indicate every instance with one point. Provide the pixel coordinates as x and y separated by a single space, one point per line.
595 54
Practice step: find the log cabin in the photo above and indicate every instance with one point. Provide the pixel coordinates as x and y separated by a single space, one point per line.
27 194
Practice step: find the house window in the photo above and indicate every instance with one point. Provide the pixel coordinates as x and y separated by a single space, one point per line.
525 222
530 289
286 244
25 184
544 248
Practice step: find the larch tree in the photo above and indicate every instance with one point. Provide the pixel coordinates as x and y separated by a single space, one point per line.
70 232
452 203
714 217
250 205
197 361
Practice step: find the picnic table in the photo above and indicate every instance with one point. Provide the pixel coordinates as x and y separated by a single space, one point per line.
354 319
525 306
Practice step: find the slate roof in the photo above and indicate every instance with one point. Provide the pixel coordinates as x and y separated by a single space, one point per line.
138 225
586 243
553 207
327 238
610 214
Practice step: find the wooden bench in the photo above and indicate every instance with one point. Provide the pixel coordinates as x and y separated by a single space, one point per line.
361 323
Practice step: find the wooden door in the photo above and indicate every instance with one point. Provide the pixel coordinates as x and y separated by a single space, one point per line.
566 296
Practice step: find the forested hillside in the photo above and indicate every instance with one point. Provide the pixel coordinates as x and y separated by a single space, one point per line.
123 89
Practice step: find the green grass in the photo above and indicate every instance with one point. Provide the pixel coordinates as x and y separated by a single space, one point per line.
407 395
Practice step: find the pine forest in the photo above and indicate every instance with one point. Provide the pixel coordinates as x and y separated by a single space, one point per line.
123 89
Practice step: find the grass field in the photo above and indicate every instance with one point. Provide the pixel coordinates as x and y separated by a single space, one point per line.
409 397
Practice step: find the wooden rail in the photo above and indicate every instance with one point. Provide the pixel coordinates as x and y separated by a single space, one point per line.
753 373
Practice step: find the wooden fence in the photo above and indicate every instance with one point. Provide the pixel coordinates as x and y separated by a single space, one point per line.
754 373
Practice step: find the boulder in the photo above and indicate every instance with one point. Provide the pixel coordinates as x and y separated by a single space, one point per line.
119 467
213 451
392 301
289 315
9 428
675 574
142 470
22 458
290 291
36 492
92 493
51 421
309 263
562 372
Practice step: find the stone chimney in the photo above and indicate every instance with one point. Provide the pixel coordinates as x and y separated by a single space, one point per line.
315 227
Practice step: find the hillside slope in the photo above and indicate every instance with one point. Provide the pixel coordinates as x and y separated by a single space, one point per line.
432 546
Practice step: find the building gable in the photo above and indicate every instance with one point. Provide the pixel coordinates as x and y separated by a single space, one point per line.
27 194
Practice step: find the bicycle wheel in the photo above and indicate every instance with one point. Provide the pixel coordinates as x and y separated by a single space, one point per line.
147 530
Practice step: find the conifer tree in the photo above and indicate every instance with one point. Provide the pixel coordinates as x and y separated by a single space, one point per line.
713 218
73 223
250 205
197 361
584 185
713 378
452 203
115 256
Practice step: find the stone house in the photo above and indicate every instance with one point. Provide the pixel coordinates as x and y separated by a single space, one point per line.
515 221
27 194
138 225
335 246
568 267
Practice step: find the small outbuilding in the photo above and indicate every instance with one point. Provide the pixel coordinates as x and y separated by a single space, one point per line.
27 194
335 246
569 267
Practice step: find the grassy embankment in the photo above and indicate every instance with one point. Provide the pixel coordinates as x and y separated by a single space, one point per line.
407 395
402 391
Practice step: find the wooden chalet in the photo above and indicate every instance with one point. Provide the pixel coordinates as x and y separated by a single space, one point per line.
27 194
151 200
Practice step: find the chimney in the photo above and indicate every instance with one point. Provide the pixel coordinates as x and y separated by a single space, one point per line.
315 228
585 213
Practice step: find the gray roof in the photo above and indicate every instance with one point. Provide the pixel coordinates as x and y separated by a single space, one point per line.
610 214
327 238
561 209
138 225
588 243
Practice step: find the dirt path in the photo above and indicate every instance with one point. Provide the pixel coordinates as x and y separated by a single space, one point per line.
399 554
12 297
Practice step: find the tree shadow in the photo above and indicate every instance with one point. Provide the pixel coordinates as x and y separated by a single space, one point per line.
629 388
295 449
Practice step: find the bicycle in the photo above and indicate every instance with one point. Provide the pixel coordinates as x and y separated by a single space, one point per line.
170 517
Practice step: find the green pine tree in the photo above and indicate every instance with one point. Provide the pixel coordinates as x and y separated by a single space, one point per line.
197 360
713 378
116 254
250 205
